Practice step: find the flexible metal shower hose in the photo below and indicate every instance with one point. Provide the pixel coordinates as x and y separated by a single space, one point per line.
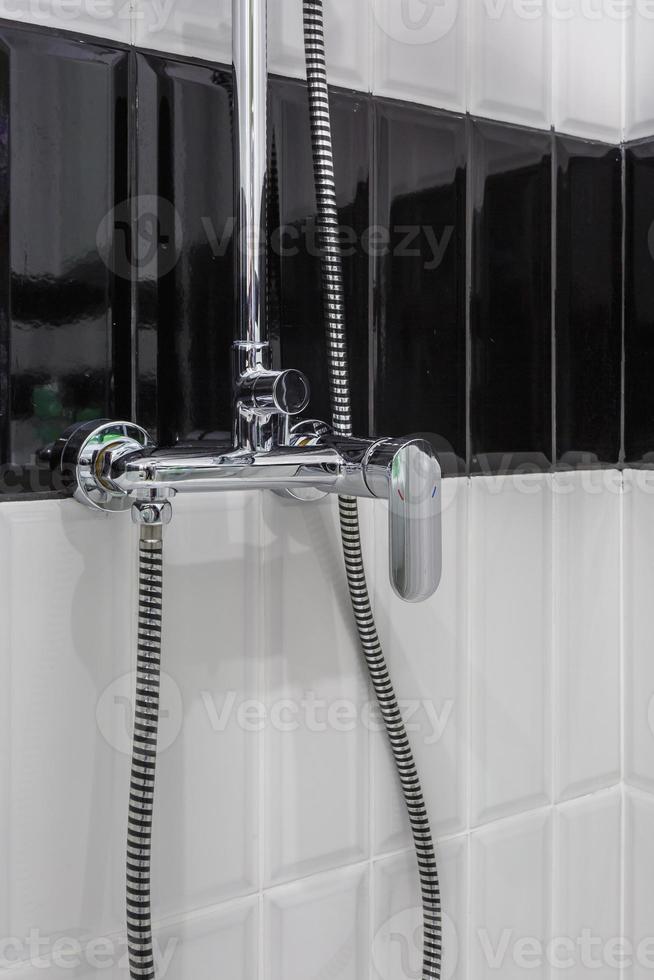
339 389
144 755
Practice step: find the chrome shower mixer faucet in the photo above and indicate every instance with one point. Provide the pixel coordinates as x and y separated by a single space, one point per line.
114 466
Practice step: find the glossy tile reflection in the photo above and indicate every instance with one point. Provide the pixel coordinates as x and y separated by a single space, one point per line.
420 268
117 258
639 272
64 130
296 300
588 302
183 223
511 370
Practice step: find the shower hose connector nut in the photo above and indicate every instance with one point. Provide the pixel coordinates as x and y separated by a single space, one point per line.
152 513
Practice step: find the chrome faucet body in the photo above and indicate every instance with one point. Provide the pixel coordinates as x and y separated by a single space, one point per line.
115 466
112 466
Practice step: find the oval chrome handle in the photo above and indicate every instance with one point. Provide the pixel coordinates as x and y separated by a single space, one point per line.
409 474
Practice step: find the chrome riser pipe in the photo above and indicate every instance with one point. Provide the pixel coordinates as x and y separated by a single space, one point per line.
250 169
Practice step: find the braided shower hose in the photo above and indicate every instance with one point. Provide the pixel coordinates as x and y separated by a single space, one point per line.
144 754
339 390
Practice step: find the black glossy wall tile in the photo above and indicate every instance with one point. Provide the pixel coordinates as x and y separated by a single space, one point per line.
63 169
182 218
588 302
117 264
511 329
639 319
420 271
296 313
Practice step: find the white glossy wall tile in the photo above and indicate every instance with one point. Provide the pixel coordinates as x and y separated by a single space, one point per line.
511 620
584 67
587 512
318 927
397 915
270 719
192 28
316 695
419 52
639 81
511 898
639 663
639 874
202 946
588 70
510 64
426 649
347 41
6 657
587 919
225 939
208 766
67 625
110 19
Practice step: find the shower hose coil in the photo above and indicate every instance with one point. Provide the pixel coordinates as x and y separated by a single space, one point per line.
144 755
142 783
339 389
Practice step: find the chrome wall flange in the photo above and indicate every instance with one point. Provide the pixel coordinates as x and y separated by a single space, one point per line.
79 455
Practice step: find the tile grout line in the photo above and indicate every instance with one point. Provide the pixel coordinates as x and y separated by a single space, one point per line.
622 634
372 35
469 707
261 646
623 305
554 715
469 232
622 704
555 874
554 220
373 211
622 932
554 739
624 76
468 32
372 757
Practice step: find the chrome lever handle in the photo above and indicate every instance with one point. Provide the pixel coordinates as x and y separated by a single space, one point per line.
413 485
